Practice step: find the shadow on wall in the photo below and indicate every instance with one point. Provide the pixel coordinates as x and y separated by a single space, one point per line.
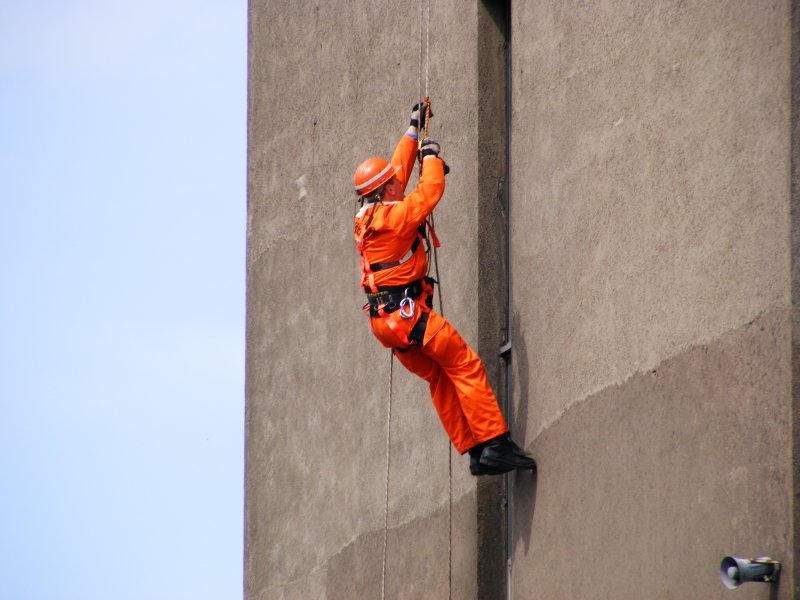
524 482
773 590
519 357
524 506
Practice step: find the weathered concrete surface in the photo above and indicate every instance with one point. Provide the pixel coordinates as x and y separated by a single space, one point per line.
651 286
330 84
645 486
794 212
355 572
651 157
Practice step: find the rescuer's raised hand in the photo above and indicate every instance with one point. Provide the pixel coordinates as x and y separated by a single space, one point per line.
429 148
418 117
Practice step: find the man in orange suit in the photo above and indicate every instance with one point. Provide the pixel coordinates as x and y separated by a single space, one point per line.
390 236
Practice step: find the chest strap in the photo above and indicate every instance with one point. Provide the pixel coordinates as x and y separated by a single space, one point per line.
406 257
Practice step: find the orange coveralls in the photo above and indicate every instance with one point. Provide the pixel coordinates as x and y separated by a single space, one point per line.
459 389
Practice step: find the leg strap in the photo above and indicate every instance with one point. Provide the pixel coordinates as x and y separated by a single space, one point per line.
417 334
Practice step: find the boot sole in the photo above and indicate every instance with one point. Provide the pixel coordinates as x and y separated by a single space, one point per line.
499 463
489 470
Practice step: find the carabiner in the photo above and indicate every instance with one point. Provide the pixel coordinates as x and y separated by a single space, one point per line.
407 307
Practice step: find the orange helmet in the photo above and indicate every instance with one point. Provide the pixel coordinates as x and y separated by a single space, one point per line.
372 174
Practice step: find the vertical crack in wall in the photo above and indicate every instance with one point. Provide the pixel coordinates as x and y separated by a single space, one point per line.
493 272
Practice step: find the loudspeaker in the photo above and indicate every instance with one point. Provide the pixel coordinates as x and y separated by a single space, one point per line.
734 571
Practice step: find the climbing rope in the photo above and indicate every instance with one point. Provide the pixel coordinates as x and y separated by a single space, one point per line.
427 46
386 489
427 101
431 246
424 26
424 31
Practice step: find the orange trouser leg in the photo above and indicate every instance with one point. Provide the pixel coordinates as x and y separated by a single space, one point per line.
460 391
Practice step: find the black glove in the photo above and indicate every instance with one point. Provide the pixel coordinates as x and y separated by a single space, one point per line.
429 148
418 117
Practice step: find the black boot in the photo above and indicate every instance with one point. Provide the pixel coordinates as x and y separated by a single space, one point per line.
477 469
502 452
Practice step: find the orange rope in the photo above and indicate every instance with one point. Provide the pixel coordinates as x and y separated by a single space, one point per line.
427 114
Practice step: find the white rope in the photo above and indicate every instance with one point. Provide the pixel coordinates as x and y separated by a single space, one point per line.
424 23
386 489
427 46
441 308
450 520
419 96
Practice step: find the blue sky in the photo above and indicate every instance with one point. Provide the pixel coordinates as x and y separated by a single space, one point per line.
122 267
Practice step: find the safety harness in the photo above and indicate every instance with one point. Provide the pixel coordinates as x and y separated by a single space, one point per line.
382 301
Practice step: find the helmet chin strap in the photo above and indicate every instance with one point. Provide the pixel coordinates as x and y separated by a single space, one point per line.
375 197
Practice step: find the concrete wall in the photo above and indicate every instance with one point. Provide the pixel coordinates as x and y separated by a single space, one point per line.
652 284
332 83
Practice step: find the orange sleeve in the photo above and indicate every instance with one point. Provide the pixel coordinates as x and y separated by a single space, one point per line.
407 216
404 156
